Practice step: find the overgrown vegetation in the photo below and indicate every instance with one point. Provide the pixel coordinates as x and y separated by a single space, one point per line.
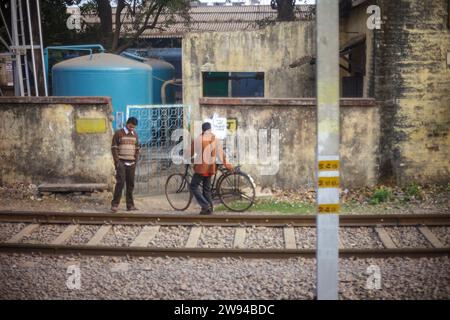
413 191
380 195
366 199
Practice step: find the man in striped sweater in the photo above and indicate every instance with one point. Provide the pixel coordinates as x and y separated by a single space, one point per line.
125 151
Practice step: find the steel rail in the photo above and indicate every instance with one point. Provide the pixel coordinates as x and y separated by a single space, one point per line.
219 219
213 252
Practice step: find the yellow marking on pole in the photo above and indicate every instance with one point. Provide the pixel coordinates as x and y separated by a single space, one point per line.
328 182
329 165
90 125
329 208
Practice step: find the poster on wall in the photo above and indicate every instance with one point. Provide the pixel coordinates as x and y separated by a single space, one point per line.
218 126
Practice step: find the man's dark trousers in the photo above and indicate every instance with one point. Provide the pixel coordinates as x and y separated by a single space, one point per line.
124 175
203 198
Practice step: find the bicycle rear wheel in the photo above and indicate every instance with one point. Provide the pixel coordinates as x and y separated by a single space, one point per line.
178 192
236 191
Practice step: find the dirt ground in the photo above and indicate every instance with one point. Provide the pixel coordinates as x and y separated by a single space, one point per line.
429 199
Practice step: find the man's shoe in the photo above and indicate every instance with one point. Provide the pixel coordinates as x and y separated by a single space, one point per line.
133 208
205 211
114 209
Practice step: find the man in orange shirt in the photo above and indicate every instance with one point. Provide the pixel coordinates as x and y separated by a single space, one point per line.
205 166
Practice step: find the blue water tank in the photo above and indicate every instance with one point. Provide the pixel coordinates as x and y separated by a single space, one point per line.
172 56
126 81
161 72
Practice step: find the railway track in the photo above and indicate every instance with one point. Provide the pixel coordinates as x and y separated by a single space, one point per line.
151 225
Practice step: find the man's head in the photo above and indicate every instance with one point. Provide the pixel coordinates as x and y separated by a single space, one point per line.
132 123
206 126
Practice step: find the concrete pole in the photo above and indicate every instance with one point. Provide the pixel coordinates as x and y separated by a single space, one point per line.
327 155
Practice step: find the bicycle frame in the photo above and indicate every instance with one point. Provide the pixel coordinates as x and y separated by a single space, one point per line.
214 183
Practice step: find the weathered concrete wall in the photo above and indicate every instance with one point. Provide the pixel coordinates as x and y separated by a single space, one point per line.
413 83
296 121
39 141
270 50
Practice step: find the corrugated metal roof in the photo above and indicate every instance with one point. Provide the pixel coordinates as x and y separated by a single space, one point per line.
213 18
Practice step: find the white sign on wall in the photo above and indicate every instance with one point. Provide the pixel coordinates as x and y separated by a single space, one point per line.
218 126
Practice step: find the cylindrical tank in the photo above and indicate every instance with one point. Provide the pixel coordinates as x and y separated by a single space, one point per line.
161 72
172 56
126 81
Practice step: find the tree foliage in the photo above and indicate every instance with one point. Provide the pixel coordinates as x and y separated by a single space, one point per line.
121 28
285 9
121 22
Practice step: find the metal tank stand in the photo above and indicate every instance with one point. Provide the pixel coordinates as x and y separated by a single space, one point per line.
22 45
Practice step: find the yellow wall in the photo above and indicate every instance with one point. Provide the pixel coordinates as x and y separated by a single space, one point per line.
39 141
270 50
413 83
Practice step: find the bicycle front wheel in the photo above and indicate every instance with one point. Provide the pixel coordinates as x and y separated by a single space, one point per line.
178 192
236 191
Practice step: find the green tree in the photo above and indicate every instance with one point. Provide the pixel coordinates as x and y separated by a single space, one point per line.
285 9
53 21
132 18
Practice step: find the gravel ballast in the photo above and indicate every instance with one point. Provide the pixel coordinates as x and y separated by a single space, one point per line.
121 236
223 237
443 234
305 237
356 237
170 237
7 230
45 233
262 237
45 277
216 237
82 235
408 237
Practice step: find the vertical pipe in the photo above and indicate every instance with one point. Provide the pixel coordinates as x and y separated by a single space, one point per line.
6 26
22 30
41 43
327 155
30 29
18 79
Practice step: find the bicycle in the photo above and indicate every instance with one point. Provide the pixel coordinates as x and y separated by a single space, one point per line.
235 189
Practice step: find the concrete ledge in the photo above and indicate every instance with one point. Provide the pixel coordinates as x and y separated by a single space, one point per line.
307 102
72 187
55 100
